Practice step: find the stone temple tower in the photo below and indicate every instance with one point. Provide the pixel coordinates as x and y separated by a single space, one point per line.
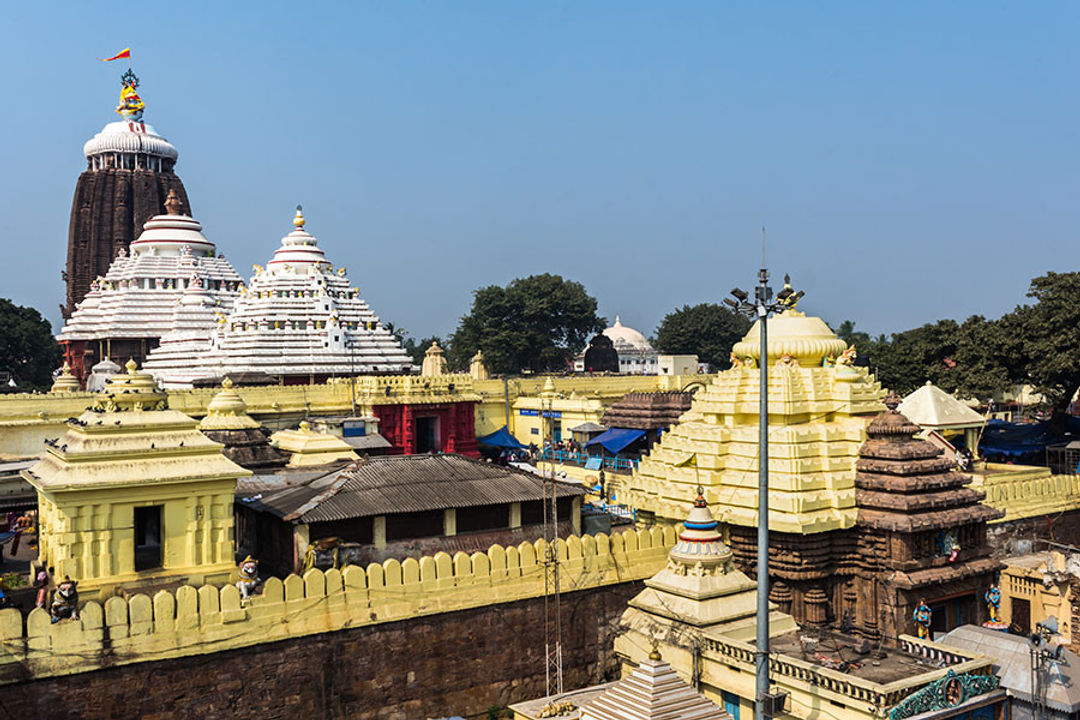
129 173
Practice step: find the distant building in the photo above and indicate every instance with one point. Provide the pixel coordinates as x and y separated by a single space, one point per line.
636 355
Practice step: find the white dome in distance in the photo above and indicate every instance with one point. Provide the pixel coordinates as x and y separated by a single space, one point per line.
626 337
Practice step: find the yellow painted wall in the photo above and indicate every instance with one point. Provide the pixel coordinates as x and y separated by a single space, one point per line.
1024 580
90 535
198 620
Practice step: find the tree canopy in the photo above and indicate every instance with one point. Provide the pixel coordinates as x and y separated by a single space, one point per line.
27 347
537 323
706 330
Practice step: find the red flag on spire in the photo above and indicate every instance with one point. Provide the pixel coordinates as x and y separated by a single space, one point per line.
125 53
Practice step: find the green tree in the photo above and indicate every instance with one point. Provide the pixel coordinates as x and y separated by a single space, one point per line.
416 349
706 330
27 347
1047 338
536 323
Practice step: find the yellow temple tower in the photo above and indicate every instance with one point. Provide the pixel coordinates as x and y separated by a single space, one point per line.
133 495
819 405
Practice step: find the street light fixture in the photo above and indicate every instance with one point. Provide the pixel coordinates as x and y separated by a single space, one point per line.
766 704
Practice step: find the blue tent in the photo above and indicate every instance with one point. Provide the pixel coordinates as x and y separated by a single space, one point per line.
1018 441
501 438
616 440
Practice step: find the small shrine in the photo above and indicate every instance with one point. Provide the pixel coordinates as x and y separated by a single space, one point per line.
307 447
133 495
434 361
65 382
297 319
246 441
924 565
699 589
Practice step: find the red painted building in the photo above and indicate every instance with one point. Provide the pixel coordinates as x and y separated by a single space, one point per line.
420 428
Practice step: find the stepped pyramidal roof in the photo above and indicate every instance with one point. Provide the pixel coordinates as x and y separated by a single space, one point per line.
141 293
298 317
819 405
652 692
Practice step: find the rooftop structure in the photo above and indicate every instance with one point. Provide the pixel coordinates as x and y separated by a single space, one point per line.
129 174
652 692
297 319
173 282
390 506
307 447
133 494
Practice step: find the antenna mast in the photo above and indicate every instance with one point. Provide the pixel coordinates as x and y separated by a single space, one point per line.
553 671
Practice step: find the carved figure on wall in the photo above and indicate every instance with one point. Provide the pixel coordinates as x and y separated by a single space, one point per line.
249 577
847 357
993 608
948 545
922 617
65 602
828 361
787 361
735 362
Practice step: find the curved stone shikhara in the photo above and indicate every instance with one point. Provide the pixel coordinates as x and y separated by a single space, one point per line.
299 317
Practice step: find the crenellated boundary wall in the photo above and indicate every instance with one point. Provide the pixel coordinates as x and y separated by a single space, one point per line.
192 621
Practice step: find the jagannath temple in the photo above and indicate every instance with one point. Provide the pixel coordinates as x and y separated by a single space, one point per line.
129 174
172 281
298 320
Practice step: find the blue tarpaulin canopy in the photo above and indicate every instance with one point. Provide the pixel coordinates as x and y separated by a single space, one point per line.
616 440
501 438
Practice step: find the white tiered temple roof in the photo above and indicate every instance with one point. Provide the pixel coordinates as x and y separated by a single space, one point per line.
298 317
138 296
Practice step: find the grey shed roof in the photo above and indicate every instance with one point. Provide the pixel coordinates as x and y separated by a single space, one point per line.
404 483
1012 662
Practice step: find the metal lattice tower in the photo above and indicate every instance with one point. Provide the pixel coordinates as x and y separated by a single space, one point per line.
553 670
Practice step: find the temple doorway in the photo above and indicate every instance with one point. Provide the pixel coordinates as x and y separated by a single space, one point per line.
427 434
952 612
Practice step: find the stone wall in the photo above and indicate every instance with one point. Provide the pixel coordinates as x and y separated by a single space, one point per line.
208 620
458 663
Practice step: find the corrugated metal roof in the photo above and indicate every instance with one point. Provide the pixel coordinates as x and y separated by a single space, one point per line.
405 483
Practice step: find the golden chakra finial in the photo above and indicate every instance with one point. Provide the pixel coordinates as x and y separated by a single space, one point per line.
227 383
131 366
298 221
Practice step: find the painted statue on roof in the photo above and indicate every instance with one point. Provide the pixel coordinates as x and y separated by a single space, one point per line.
131 106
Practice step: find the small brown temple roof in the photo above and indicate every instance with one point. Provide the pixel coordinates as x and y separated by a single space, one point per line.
648 411
932 520
947 573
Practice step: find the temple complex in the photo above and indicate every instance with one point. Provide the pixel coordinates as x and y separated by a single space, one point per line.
173 281
819 404
134 495
129 173
298 320
922 535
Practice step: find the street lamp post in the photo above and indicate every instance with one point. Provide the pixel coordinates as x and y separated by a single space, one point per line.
760 307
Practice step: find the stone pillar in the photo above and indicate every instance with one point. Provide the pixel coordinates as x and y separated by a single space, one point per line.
378 531
816 603
575 515
301 542
408 440
780 594
515 515
450 522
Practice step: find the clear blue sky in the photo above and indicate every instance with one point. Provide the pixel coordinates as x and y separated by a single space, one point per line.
911 161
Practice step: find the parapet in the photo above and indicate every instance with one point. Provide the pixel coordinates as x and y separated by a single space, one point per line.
207 619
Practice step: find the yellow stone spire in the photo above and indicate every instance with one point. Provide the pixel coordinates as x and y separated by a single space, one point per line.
65 381
227 411
819 405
